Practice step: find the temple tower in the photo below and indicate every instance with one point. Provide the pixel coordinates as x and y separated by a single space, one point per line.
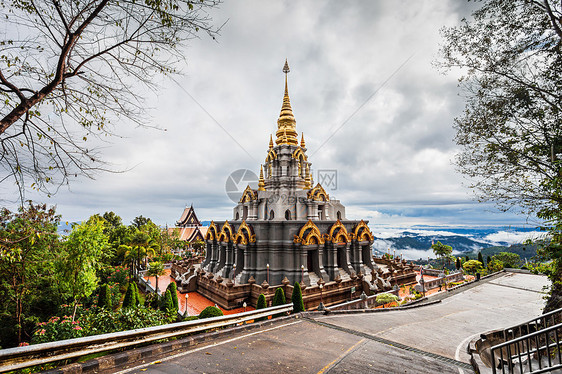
288 229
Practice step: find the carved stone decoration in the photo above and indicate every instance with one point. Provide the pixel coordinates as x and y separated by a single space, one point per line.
265 285
285 281
210 275
219 279
251 280
229 283
338 279
353 275
360 275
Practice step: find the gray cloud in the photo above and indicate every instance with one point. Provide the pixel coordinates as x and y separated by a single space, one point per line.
393 157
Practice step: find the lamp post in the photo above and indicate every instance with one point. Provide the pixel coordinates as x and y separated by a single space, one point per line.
234 277
244 305
302 274
267 266
321 306
186 314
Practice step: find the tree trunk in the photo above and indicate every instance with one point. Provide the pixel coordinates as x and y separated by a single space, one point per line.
74 310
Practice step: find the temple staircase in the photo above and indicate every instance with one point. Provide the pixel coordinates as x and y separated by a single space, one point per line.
313 278
343 274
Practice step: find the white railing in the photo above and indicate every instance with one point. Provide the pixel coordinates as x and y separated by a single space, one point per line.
38 354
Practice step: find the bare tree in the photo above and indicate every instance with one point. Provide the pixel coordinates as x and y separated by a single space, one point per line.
73 70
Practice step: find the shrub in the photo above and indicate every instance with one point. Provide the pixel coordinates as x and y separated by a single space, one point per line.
167 305
104 300
210 311
472 266
151 300
262 304
130 298
174 293
495 265
57 328
510 260
105 321
136 299
119 275
481 258
279 297
296 298
385 298
458 263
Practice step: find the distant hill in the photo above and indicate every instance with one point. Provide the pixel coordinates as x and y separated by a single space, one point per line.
415 242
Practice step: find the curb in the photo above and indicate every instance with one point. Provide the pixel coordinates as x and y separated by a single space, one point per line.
153 351
382 310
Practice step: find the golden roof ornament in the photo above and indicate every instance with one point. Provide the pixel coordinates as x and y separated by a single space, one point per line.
286 122
261 183
303 145
307 181
270 141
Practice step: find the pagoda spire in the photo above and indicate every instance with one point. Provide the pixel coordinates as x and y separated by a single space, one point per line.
303 144
261 183
270 141
286 122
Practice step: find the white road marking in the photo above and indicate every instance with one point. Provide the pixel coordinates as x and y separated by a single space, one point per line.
206 347
463 344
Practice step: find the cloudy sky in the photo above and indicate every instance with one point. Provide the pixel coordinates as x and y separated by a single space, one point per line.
363 91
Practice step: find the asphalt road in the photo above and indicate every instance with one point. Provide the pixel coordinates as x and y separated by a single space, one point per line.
430 339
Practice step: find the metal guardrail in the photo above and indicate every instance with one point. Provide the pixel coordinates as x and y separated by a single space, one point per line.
38 354
525 345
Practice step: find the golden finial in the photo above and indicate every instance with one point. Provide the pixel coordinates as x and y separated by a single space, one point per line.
286 121
307 181
261 183
285 136
303 145
270 141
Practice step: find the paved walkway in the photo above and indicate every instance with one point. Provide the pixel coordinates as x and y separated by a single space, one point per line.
429 339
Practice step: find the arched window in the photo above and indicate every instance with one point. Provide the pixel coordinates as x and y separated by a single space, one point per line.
338 214
237 216
288 215
271 214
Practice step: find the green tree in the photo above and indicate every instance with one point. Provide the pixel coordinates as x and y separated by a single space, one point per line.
136 299
488 259
58 60
458 263
472 266
510 132
296 298
174 293
156 269
129 300
167 305
441 250
28 242
104 298
480 257
279 297
510 260
262 303
140 221
78 261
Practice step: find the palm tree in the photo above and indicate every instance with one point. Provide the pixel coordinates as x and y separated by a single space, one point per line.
156 269
129 254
